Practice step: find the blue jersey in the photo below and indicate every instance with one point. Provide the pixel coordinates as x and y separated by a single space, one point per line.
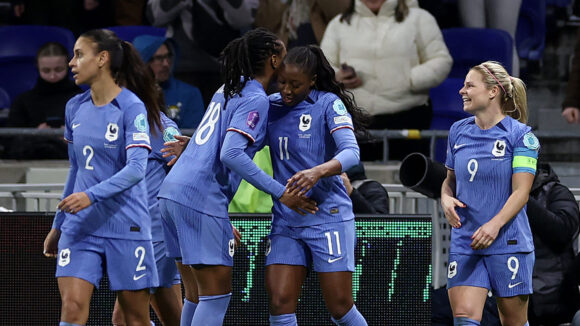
301 137
484 161
100 137
199 180
156 172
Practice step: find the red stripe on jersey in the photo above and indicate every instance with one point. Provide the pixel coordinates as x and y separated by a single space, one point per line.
243 133
341 127
68 141
138 145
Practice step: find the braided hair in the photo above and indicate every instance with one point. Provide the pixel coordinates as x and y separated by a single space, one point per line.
244 58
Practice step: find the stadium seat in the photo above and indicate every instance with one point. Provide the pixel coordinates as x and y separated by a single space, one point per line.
531 32
129 33
468 47
25 40
17 74
4 99
472 46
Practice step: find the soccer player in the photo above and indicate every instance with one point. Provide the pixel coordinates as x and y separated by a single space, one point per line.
103 221
491 162
195 195
311 137
166 300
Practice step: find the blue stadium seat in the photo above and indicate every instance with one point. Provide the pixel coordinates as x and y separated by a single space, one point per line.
4 99
129 33
472 46
559 3
531 32
468 47
18 74
25 40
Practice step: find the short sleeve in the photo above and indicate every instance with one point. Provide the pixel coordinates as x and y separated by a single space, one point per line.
337 116
136 127
450 158
525 157
250 117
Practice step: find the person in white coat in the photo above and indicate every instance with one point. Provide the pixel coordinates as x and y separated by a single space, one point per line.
389 53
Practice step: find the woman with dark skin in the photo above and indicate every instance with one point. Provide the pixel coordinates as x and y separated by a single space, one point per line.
310 159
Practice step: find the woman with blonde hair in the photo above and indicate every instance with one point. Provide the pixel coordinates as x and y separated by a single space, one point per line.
491 163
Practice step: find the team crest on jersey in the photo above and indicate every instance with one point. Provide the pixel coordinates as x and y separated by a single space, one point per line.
305 120
452 269
169 134
339 107
64 257
498 148
268 247
112 132
531 142
232 247
140 122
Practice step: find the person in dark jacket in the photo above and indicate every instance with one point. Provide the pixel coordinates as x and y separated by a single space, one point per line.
554 219
43 106
368 196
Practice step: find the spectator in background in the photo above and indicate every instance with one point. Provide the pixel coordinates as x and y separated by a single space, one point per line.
389 54
368 196
554 219
322 11
184 102
499 14
43 106
571 105
202 28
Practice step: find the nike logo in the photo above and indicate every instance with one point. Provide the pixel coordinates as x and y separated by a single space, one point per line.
458 146
513 285
75 125
136 278
332 260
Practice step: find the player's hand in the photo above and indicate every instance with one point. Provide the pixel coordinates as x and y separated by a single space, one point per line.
346 182
74 203
484 236
237 235
51 243
175 148
298 203
571 114
303 181
448 204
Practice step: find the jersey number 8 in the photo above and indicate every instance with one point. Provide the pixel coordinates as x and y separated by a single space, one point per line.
207 125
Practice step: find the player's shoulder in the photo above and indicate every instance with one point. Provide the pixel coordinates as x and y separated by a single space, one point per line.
462 124
73 104
127 99
515 129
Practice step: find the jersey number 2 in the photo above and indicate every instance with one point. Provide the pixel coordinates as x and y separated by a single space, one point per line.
207 125
88 152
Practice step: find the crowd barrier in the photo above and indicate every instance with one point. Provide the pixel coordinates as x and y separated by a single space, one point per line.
391 282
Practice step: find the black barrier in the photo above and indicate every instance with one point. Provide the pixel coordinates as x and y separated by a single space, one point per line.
422 174
390 284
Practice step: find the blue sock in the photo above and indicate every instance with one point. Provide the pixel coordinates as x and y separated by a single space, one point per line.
352 318
63 323
211 310
187 312
464 321
283 320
